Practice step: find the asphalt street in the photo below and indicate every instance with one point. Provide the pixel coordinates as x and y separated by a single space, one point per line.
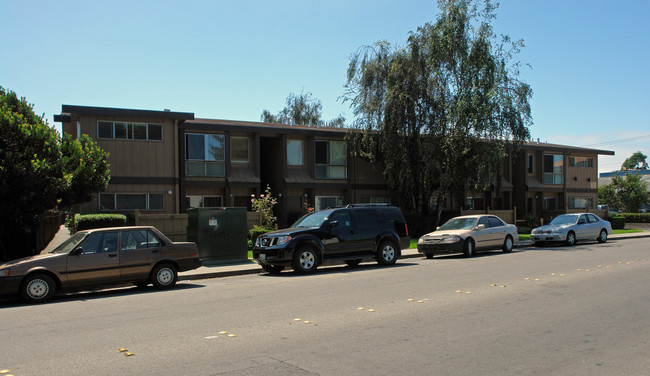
537 311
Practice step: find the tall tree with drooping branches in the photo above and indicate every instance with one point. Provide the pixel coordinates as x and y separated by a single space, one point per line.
443 112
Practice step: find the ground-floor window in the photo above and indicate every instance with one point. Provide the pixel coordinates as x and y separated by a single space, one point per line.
550 203
374 200
324 202
581 202
197 201
130 201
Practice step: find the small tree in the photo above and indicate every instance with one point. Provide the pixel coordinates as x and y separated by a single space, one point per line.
628 193
264 205
637 161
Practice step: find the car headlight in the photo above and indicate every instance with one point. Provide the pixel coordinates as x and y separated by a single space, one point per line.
556 231
283 240
534 232
4 273
421 240
450 239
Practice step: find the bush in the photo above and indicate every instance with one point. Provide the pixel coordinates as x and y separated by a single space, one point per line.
523 230
255 232
531 221
618 222
635 217
90 221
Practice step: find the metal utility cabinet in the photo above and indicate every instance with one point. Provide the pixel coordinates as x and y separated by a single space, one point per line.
220 233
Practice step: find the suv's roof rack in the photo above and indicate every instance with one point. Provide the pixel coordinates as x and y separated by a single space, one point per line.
365 205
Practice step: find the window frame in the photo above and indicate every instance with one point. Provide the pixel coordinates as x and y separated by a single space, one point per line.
555 174
206 160
301 150
329 166
115 201
201 201
129 130
232 149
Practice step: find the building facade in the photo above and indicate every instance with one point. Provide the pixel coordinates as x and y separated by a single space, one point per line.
167 162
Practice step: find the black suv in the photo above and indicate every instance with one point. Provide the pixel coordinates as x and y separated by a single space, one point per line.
351 234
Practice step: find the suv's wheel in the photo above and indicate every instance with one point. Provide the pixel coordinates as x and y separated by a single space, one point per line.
305 260
468 248
272 269
507 244
38 288
164 276
386 253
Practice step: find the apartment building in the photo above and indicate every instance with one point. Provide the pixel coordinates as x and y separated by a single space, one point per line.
168 162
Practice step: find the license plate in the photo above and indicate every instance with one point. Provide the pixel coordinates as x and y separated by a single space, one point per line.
262 256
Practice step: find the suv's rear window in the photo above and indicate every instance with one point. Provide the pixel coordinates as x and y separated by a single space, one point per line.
367 218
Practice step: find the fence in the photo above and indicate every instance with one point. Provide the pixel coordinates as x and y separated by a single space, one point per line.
174 226
49 226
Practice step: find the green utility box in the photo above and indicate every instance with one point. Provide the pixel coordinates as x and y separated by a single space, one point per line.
220 233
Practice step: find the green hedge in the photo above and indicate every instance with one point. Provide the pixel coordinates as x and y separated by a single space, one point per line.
90 221
254 233
635 217
618 222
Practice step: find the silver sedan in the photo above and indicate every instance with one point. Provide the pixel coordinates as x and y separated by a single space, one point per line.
569 228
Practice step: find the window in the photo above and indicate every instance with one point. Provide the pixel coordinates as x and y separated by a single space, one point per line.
129 131
323 202
331 160
550 203
495 222
294 152
138 239
553 169
130 201
581 202
102 242
374 200
342 217
239 149
581 162
530 163
204 154
203 201
366 218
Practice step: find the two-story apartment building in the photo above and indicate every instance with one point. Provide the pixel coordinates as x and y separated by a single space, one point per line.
168 162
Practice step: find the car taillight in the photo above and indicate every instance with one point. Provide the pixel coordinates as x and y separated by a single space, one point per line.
406 227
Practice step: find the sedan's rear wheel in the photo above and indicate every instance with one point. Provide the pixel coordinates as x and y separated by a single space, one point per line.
164 276
38 288
602 238
507 244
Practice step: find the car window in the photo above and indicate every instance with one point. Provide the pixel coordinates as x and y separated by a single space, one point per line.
366 218
484 221
342 217
584 218
102 242
592 218
495 222
138 239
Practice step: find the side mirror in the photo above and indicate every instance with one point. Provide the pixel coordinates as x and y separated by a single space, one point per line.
76 252
581 221
332 225
480 227
437 228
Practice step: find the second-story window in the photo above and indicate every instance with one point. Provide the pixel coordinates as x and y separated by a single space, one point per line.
239 149
295 152
129 131
530 163
204 154
331 160
581 162
553 169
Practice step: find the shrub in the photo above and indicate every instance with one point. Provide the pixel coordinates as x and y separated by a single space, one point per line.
90 221
618 222
635 217
531 221
255 232
523 230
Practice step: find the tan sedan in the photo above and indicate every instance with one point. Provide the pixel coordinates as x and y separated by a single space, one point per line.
139 255
468 234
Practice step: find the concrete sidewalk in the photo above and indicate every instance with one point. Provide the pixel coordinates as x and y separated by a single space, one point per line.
250 267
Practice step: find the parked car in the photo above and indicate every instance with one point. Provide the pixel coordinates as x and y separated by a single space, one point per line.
569 228
468 234
348 235
100 257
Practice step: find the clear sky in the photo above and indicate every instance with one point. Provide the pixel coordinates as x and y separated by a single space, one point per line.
233 59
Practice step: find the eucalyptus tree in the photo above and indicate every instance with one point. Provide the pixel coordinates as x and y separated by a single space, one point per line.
301 109
443 112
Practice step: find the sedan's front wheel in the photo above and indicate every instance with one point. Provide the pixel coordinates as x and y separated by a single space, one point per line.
570 239
468 248
38 288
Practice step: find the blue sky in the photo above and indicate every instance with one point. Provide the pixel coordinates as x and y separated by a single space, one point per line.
233 59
